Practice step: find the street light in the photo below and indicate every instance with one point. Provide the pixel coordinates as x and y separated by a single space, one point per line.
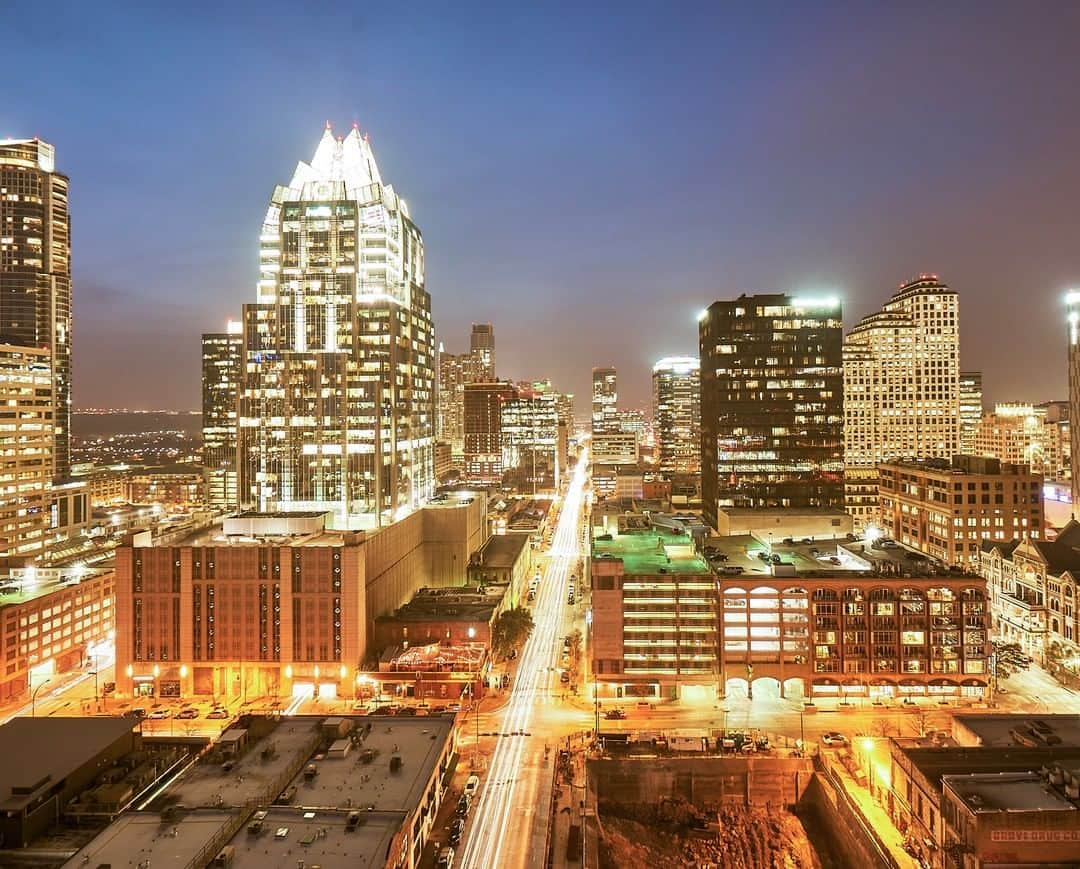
33 697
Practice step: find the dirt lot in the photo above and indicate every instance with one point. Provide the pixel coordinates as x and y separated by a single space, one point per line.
739 838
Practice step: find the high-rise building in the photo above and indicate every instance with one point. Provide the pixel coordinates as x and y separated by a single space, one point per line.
771 403
222 365
677 414
605 396
901 388
482 352
564 402
483 429
1072 302
26 443
1020 433
971 409
453 375
530 433
35 271
337 405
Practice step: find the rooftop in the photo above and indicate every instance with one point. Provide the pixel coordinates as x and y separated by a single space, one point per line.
501 550
936 762
1007 792
143 836
651 552
39 753
318 838
348 782
438 604
19 589
1002 730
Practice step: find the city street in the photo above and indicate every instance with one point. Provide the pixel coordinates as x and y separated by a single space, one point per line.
509 811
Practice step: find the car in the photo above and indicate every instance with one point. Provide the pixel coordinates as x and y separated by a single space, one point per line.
833 738
218 713
457 829
286 796
566 642
359 706
407 710
814 550
614 715
463 805
513 654
446 858
383 710
352 822
564 677
531 596
108 688
472 785
137 712
719 556
187 714
731 570
776 559
833 559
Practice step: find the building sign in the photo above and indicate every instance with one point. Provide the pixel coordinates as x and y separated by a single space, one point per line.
1035 836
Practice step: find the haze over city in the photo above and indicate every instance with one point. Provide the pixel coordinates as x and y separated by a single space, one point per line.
585 174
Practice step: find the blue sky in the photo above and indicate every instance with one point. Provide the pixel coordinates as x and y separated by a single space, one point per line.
586 176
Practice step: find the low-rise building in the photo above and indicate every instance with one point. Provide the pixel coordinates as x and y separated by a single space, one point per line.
946 509
816 523
175 487
456 616
51 620
505 559
1033 586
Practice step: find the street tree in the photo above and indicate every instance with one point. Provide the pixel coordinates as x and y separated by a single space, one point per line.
512 628
1009 659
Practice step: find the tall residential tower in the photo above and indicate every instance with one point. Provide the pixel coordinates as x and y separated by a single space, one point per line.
677 414
222 364
771 403
337 405
901 388
35 272
482 353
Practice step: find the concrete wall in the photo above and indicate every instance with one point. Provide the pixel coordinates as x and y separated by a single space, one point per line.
704 781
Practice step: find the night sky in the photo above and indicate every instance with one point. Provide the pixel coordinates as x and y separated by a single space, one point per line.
585 178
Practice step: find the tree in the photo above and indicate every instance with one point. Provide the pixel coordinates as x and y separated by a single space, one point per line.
1009 658
512 629
575 655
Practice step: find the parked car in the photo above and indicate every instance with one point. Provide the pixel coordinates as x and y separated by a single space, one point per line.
463 805
218 713
352 822
286 797
833 738
564 677
457 829
137 712
187 714
108 688
446 858
472 785
614 715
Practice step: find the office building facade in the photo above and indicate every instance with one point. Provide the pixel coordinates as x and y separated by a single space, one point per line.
605 397
946 509
483 429
35 271
677 414
482 353
453 375
337 404
971 410
222 366
771 403
1022 433
901 388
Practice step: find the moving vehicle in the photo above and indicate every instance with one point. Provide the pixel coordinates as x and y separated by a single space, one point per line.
472 784
833 738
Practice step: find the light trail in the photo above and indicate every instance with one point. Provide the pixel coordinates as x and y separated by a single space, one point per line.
491 816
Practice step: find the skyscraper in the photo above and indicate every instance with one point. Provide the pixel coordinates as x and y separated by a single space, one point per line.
1072 303
35 271
605 396
483 429
482 351
337 405
901 388
771 403
222 364
971 410
677 414
453 375
530 432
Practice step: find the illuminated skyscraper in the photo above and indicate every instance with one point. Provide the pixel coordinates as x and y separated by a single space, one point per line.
605 396
453 371
482 352
677 414
1072 302
337 406
222 364
483 429
35 271
901 388
771 403
971 410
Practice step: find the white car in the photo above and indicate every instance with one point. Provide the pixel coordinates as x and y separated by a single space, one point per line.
158 714
472 785
833 738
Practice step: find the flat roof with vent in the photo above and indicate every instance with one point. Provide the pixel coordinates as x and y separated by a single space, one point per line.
1007 792
651 552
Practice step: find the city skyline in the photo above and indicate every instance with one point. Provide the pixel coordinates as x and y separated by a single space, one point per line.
950 207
